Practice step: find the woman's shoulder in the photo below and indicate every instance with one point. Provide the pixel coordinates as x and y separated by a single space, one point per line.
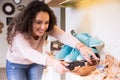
20 38
19 35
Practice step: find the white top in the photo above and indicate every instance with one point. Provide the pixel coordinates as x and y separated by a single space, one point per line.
28 51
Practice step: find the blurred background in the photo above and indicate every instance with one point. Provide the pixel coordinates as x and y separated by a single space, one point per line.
100 18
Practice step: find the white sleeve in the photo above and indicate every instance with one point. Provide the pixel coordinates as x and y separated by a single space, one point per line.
28 52
68 39
64 37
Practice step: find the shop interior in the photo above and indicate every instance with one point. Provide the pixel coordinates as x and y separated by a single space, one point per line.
99 18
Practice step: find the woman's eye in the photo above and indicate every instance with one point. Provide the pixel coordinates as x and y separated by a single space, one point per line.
47 23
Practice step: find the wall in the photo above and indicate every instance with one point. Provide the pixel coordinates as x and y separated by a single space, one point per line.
3 16
102 21
57 14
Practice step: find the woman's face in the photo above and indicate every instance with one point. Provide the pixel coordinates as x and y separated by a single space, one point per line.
40 24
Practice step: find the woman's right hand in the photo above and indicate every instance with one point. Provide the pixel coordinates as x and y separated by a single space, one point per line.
59 66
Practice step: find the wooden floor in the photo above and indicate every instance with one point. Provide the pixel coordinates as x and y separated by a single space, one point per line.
2 74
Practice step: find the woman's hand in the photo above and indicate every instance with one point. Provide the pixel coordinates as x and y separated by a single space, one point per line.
59 66
86 52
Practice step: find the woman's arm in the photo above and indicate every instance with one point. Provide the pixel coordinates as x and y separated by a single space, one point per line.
64 37
36 57
68 39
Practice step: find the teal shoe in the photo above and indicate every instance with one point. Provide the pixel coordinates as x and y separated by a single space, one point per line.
72 56
66 50
100 48
94 49
94 42
88 40
82 37
79 58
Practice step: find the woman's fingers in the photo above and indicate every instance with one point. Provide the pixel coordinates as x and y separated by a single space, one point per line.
60 67
87 52
94 56
86 55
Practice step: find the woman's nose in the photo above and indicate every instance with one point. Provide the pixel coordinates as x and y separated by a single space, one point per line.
43 26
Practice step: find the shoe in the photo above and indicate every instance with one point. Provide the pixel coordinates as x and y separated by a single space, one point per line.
95 42
74 64
94 49
88 40
82 37
100 48
66 50
72 56
79 58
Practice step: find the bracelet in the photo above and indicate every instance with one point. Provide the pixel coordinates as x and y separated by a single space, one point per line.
81 46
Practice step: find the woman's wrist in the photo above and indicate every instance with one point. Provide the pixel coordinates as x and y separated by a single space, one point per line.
79 46
50 61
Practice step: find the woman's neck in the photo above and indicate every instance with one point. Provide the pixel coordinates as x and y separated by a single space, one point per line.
35 36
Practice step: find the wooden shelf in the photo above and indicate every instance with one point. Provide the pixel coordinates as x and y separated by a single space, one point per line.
55 3
62 3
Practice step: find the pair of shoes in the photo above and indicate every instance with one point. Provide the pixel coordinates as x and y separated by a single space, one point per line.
88 40
67 54
65 50
70 54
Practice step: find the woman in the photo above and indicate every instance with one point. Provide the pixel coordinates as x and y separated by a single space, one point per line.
26 35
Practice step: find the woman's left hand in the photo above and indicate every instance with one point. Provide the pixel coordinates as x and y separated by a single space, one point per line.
86 52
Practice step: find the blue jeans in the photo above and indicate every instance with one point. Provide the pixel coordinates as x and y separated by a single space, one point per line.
23 72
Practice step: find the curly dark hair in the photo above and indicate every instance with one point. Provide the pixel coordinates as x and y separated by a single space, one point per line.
22 22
